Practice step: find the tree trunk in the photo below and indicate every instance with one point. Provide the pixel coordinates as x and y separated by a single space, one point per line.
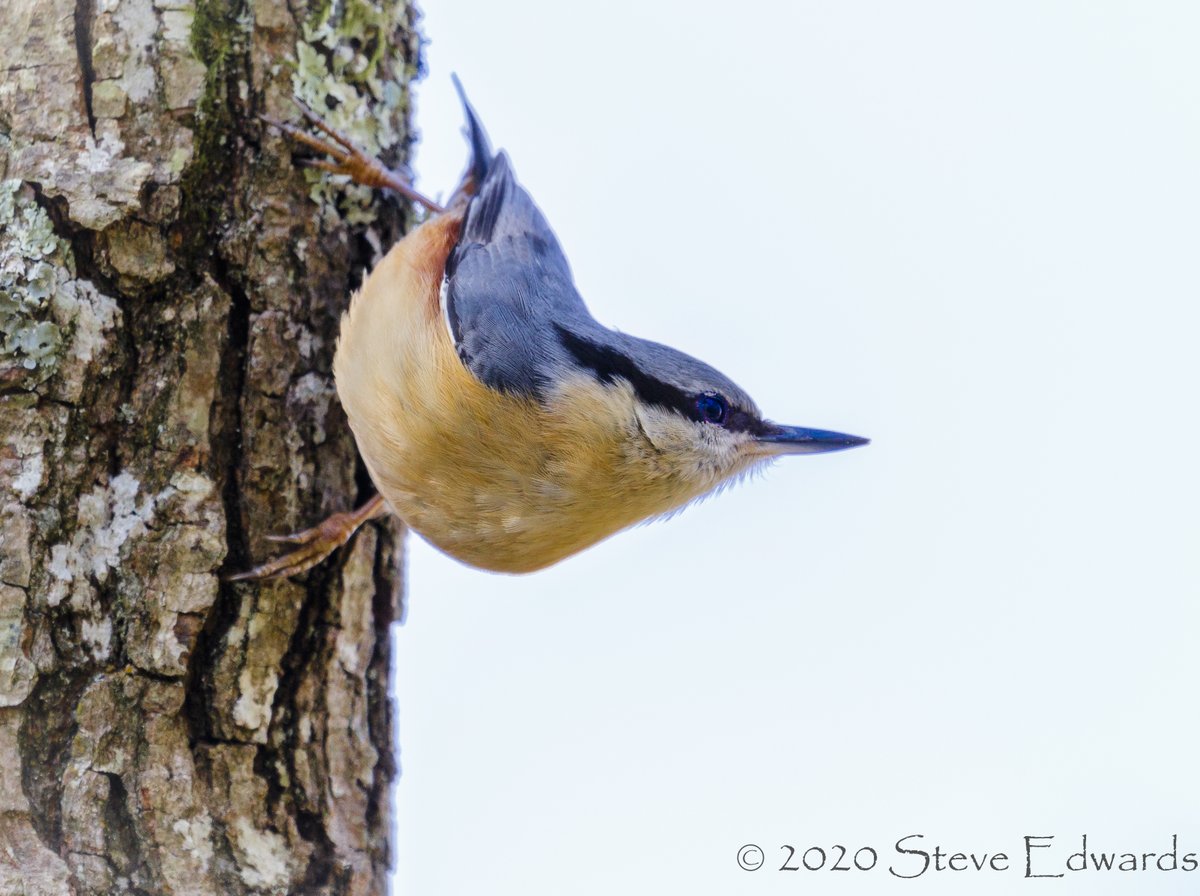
170 286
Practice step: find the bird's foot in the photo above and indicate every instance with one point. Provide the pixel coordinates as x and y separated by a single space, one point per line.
315 544
346 158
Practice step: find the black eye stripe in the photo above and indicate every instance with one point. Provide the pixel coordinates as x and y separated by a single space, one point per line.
741 421
608 364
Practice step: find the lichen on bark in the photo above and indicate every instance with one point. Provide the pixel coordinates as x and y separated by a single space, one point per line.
169 295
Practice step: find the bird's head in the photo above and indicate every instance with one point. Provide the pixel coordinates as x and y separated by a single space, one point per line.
690 421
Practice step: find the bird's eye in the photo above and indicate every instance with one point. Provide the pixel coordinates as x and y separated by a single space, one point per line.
711 408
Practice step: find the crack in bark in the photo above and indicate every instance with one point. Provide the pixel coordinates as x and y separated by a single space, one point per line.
85 15
44 741
82 240
205 199
122 834
387 607
307 649
227 440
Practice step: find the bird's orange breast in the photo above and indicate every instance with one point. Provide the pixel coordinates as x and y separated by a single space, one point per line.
496 480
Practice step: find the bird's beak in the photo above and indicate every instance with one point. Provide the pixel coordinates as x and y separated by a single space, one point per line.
778 439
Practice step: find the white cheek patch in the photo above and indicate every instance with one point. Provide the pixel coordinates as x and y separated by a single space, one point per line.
646 427
693 449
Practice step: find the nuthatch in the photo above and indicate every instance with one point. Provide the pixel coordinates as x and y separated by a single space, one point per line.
496 417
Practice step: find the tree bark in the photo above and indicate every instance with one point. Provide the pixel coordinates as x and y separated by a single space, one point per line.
170 286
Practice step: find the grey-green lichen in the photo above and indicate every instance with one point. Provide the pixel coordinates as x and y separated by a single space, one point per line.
47 314
339 60
32 258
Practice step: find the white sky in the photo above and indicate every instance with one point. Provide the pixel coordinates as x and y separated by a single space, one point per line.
969 231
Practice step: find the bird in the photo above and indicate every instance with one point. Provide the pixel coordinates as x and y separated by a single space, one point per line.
498 419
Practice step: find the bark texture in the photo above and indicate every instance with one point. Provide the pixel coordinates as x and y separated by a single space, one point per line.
170 286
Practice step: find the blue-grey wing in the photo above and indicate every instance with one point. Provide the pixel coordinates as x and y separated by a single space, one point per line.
508 284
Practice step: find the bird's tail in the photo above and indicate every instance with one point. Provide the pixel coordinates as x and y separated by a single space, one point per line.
481 148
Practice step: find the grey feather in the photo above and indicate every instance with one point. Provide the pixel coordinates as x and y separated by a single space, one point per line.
519 324
507 282
481 147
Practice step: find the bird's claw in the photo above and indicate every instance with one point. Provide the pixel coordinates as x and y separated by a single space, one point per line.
315 544
347 158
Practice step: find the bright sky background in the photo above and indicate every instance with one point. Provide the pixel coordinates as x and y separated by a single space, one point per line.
969 231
